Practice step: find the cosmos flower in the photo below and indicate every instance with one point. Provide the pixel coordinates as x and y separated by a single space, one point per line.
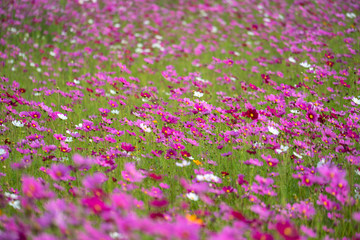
305 64
312 116
282 149
291 59
198 94
62 116
273 130
34 188
2 151
145 128
131 174
127 147
192 196
297 155
356 100
17 123
350 15
287 230
184 163
13 200
59 172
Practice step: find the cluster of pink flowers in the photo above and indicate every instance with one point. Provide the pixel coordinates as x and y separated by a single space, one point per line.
188 120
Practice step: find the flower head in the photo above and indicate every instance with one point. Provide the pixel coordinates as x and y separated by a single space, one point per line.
192 196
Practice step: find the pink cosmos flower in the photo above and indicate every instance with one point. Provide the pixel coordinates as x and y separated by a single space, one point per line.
127 147
33 188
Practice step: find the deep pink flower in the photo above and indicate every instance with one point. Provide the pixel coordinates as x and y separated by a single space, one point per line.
113 104
95 204
35 114
241 180
262 236
228 189
60 137
159 203
127 147
87 125
64 147
287 230
312 116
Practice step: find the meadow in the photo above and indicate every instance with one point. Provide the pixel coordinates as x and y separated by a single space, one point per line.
180 119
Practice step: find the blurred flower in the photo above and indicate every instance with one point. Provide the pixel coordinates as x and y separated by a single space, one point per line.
291 59
145 128
192 196
198 94
287 230
184 163
13 200
273 130
351 15
356 100
17 123
282 149
62 116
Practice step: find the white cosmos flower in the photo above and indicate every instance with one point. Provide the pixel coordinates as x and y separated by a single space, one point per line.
62 116
192 196
214 178
258 144
291 59
17 123
116 235
305 64
112 92
2 151
351 15
295 111
184 163
282 149
273 130
320 163
14 202
214 29
208 177
77 82
198 94
115 111
69 139
145 128
356 100
297 155
200 178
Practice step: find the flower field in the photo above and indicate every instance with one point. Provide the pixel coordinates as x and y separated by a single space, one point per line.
179 119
